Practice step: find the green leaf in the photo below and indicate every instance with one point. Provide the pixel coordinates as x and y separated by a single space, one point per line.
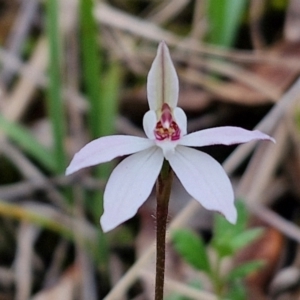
191 247
24 139
237 291
245 270
225 232
245 238
223 228
175 297
243 216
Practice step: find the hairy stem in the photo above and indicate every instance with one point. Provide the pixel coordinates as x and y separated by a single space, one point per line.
163 191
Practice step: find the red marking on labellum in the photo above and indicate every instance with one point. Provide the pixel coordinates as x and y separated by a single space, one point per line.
166 127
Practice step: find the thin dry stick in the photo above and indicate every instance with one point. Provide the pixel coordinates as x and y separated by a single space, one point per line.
263 165
18 34
273 219
18 101
120 20
48 216
7 277
256 14
199 26
36 75
59 255
222 91
167 10
27 187
240 75
23 261
231 163
31 172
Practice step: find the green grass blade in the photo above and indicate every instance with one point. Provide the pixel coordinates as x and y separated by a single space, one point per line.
24 214
55 101
106 122
224 18
192 248
91 63
23 138
101 89
109 106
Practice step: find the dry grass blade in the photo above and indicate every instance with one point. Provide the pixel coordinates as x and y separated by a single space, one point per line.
21 96
263 165
167 10
237 94
292 23
65 289
31 172
256 12
14 64
37 77
274 220
234 72
24 260
267 125
114 18
19 33
257 178
118 19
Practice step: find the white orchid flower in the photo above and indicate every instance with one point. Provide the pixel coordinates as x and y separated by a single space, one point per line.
165 125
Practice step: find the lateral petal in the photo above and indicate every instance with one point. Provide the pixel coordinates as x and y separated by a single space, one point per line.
105 149
129 186
162 81
205 180
181 120
226 135
149 123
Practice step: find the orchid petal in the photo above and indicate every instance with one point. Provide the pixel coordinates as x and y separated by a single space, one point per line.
149 123
226 135
105 149
205 180
129 186
162 82
181 120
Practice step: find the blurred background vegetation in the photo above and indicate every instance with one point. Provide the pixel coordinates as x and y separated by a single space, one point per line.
75 70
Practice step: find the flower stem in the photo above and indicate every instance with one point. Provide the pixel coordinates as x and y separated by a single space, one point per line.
163 191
